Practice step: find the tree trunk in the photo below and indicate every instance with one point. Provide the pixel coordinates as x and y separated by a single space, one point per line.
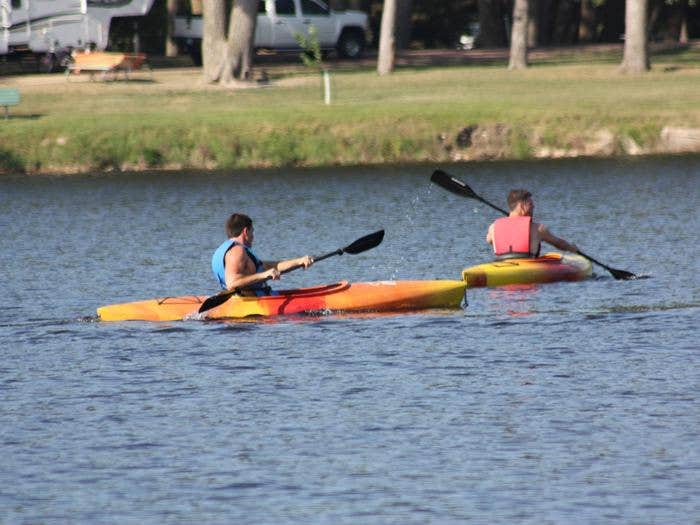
491 27
404 11
213 39
635 57
241 42
586 28
518 36
387 38
170 45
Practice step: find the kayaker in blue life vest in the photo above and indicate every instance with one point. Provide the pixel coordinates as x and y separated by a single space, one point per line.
517 236
235 265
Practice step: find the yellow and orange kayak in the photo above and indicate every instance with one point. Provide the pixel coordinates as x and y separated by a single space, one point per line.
379 296
549 268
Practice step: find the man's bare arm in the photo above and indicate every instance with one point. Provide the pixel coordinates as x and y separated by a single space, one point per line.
489 235
285 265
555 241
237 275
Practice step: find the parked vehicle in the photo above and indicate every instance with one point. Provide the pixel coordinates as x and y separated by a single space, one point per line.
54 27
278 23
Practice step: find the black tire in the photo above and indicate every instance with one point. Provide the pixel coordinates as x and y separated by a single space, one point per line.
194 49
351 44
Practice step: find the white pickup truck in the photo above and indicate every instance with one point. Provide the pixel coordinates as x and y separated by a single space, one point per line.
280 20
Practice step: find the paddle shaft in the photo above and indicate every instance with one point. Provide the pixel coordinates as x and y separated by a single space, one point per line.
608 268
315 259
504 212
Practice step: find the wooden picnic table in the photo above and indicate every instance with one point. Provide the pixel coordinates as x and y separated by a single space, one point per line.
105 62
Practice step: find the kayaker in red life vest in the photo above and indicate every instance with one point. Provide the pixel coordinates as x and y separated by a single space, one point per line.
236 266
517 236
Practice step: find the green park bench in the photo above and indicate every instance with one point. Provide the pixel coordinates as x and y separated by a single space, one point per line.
8 97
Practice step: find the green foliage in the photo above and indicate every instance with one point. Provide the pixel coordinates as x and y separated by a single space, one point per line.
10 163
643 133
520 144
152 157
311 54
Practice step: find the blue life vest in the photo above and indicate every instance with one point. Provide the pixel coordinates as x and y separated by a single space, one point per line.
218 266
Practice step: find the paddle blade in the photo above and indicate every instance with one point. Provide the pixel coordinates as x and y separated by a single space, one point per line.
443 180
215 300
365 243
622 275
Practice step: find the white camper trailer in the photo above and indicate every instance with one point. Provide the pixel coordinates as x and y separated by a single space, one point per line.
52 26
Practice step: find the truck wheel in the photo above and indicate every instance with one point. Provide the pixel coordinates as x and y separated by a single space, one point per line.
351 44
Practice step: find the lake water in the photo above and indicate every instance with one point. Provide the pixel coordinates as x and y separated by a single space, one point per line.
563 403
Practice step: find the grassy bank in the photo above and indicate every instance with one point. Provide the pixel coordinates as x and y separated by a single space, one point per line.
416 114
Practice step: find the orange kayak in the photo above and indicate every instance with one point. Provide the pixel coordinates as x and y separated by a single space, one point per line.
379 296
549 268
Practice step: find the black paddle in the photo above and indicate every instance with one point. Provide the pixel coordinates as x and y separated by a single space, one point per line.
360 245
444 180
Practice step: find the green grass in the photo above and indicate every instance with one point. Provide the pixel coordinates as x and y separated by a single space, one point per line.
61 126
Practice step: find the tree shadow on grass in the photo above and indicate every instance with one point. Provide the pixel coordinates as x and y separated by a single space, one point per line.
21 116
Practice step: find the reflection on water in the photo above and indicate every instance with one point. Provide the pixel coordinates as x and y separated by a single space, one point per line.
516 298
559 403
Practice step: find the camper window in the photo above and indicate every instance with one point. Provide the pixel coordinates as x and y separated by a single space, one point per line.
16 4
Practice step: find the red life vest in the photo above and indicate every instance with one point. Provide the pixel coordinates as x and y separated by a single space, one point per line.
511 237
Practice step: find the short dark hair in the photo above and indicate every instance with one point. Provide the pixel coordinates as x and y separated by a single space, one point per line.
516 196
236 223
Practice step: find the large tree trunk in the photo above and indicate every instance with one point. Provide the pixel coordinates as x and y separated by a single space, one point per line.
492 31
387 38
635 57
213 39
170 45
240 46
518 36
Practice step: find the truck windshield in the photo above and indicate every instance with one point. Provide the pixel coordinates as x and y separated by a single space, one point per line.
310 7
284 7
